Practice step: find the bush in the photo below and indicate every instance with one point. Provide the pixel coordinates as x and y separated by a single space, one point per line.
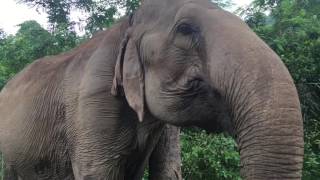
209 157
311 164
1 167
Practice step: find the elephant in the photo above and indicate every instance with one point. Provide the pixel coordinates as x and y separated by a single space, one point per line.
111 106
60 121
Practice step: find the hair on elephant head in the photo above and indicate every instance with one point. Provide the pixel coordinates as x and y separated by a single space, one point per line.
188 62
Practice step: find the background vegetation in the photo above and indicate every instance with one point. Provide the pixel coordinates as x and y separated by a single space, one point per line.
290 27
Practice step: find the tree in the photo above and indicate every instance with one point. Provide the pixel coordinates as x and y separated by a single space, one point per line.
17 51
101 14
223 3
30 43
2 34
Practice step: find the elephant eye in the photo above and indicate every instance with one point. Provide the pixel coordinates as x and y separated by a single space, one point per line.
187 29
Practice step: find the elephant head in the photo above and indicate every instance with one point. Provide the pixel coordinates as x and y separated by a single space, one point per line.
188 62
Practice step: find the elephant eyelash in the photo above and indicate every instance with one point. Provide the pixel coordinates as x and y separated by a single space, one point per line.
187 29
189 32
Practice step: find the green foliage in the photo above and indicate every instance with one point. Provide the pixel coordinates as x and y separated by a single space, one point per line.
1 167
98 21
31 42
17 51
210 157
2 35
293 30
223 3
101 14
62 39
312 155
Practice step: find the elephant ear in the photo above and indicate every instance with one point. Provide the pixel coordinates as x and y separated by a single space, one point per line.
129 74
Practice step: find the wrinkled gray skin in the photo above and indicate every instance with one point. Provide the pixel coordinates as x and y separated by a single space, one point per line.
60 121
182 62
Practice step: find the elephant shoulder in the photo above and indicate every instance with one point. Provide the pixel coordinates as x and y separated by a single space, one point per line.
37 74
51 69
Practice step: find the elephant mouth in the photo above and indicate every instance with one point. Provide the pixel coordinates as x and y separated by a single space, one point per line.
187 92
195 86
201 105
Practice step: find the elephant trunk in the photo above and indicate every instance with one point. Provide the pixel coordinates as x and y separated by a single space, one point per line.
269 134
267 126
262 101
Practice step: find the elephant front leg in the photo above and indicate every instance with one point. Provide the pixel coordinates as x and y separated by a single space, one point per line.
100 137
98 161
83 171
165 161
100 150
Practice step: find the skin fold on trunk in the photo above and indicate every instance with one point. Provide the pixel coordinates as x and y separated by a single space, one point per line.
262 103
